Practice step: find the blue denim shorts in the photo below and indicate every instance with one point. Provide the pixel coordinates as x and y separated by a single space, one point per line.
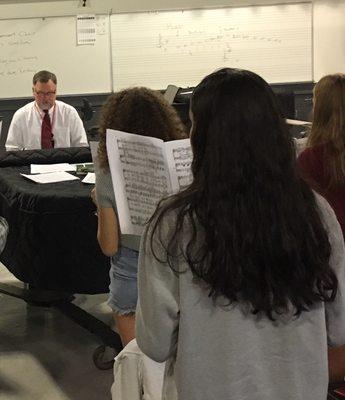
123 291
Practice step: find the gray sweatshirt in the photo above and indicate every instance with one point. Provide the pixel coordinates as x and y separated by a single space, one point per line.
3 233
226 353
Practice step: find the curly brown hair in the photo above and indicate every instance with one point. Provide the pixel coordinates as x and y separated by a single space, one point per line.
141 111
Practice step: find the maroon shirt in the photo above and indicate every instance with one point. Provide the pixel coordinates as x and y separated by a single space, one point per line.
311 163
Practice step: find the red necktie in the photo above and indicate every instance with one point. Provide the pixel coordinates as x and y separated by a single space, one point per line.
46 132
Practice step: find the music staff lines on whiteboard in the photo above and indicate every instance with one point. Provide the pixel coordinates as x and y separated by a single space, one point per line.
186 41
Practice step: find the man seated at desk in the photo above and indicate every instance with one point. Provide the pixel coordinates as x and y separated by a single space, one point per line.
45 122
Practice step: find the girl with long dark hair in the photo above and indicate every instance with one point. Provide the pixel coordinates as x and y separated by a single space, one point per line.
241 276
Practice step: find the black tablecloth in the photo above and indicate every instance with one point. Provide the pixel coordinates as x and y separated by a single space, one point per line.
52 238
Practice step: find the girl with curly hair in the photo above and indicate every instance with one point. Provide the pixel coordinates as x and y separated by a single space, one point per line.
144 112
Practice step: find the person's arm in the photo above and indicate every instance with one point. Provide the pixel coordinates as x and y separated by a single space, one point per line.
14 139
78 134
335 311
3 233
108 227
157 314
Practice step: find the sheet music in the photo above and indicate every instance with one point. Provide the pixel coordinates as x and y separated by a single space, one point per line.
140 177
46 168
179 157
90 178
51 177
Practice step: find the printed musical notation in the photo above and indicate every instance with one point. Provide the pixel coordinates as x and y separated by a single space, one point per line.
138 154
183 159
145 170
145 177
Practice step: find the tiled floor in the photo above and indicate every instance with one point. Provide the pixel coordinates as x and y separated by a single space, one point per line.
46 356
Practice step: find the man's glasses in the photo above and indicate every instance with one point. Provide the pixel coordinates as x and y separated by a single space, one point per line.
47 94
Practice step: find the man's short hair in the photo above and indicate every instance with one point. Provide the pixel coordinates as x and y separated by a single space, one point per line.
44 77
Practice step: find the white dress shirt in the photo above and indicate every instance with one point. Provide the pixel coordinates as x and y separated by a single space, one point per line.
25 129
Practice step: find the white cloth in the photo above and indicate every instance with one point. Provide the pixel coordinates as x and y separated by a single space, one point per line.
136 377
25 129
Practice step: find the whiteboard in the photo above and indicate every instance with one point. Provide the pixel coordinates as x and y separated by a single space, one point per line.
33 44
329 38
155 49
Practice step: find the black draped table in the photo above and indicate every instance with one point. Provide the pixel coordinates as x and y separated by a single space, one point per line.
52 240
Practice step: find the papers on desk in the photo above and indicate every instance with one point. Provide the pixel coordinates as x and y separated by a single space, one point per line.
51 177
44 168
90 178
50 173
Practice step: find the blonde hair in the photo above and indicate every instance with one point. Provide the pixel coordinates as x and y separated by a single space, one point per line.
329 125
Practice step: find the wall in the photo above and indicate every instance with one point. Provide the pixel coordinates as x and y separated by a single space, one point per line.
328 21
9 9
329 37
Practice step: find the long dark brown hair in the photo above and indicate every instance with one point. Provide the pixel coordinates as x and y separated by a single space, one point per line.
247 226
